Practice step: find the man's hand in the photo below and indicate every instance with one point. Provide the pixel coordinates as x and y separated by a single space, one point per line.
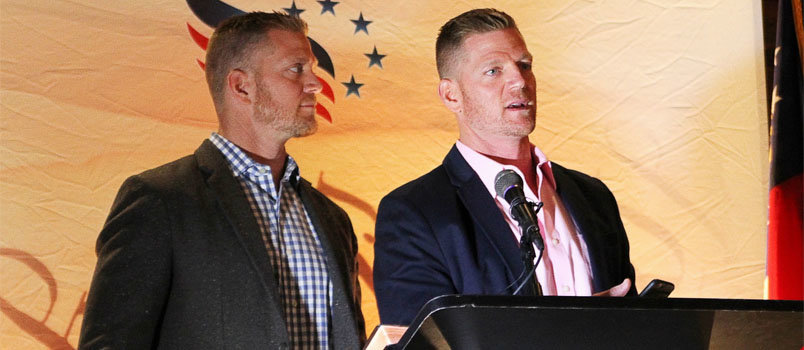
616 291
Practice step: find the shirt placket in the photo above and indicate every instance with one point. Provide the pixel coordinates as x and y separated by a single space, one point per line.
261 176
559 251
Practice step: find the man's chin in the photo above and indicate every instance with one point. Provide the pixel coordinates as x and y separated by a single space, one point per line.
521 127
519 130
306 129
307 132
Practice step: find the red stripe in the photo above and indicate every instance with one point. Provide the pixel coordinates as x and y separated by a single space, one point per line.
326 90
323 112
199 38
786 240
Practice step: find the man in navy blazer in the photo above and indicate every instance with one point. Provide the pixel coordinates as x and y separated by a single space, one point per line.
448 233
229 248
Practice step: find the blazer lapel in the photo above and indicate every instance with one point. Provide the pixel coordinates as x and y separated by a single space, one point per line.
484 211
336 244
233 203
578 207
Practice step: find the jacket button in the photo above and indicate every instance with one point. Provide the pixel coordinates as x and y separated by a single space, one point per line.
283 346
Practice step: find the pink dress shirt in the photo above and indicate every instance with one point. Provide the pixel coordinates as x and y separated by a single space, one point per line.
564 269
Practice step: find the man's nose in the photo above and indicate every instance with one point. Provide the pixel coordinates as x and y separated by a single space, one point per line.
313 84
517 79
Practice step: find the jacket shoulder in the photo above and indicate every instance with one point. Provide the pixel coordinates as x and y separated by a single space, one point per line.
435 183
585 182
169 174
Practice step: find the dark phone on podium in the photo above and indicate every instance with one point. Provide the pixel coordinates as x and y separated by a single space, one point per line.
657 289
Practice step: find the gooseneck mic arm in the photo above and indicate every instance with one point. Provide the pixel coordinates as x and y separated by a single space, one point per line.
508 184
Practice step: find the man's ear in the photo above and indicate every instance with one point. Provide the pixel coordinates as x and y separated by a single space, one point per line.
240 86
450 95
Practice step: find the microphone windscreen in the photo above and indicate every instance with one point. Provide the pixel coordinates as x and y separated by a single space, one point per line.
504 180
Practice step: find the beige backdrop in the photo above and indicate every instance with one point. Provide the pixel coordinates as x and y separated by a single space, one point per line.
661 99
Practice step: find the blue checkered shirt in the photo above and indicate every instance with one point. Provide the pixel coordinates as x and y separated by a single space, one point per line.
296 255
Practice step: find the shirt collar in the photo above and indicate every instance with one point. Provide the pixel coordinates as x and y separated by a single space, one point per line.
487 168
245 167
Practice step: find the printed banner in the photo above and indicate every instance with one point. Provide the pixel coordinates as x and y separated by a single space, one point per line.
647 96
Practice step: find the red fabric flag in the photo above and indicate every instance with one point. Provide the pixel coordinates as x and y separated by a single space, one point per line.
785 266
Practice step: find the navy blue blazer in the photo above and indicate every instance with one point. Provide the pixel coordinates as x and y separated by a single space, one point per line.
443 234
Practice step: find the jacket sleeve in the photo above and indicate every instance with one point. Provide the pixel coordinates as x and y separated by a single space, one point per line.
625 265
613 258
409 267
132 277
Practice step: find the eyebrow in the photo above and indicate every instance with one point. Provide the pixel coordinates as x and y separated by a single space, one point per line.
494 61
301 59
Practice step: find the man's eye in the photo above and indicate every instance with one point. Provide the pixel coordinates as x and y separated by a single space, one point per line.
525 65
297 68
492 71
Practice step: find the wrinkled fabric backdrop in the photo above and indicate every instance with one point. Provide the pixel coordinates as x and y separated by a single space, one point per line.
661 99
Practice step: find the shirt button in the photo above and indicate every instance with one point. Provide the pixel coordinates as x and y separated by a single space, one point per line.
556 241
565 288
263 170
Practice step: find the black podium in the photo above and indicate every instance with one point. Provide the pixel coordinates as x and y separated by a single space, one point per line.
505 322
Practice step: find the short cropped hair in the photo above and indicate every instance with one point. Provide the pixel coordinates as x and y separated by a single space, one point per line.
234 42
455 31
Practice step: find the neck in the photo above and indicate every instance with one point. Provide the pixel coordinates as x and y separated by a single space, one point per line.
523 163
516 153
262 148
509 149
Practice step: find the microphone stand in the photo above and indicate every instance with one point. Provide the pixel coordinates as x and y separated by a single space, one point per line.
527 253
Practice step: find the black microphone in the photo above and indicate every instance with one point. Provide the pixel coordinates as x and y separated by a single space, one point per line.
508 184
